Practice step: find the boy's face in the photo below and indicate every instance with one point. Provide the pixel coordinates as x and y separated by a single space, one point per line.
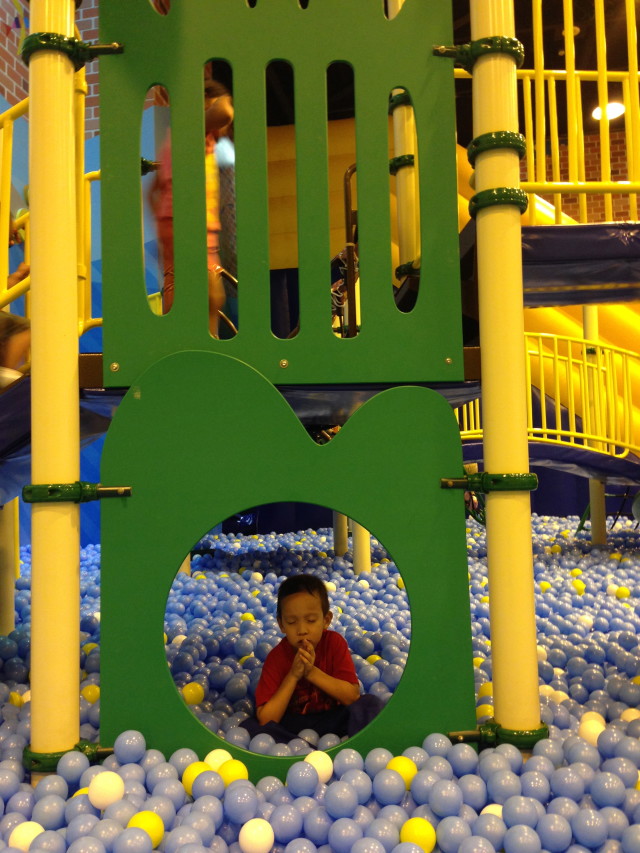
302 620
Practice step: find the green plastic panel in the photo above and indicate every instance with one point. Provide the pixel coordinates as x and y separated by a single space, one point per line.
423 345
193 459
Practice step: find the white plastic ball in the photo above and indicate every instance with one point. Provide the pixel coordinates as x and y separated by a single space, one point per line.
256 836
323 764
105 788
590 731
217 757
23 834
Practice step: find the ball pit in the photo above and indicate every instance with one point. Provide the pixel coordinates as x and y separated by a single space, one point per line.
578 791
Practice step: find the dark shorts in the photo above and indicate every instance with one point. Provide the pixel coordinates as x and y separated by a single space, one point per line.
341 721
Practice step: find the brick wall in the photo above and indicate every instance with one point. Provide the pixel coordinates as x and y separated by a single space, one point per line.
13 71
595 203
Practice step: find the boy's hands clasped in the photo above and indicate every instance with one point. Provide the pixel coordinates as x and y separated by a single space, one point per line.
304 660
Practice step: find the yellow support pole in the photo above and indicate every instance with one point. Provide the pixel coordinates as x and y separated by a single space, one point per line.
499 246
340 534
361 546
9 564
591 331
54 378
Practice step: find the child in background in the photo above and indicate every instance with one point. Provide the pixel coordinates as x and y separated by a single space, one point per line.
15 331
308 680
218 107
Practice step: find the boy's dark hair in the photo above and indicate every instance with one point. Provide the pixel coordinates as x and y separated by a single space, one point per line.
303 583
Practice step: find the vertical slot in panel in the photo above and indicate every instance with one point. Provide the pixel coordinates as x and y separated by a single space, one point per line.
283 201
343 202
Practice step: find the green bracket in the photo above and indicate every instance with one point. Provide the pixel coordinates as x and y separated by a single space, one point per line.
47 762
485 482
466 55
406 269
496 139
491 734
147 166
78 492
400 99
78 51
399 162
498 195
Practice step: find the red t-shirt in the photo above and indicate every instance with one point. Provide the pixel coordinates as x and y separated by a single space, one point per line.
332 657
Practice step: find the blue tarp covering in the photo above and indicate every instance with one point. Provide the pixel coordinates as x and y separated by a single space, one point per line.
579 264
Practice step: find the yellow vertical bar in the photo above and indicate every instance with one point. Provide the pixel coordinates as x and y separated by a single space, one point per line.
603 99
632 116
84 294
9 564
538 65
570 66
582 199
54 386
6 148
555 148
530 145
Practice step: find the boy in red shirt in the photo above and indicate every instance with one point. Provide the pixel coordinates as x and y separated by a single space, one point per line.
308 680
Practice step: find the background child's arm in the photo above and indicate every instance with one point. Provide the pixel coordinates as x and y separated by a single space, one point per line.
344 691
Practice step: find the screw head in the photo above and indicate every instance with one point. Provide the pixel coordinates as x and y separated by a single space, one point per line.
448 361
114 367
283 363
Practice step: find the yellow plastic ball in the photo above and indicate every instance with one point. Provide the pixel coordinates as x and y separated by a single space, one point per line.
151 823
484 711
575 573
400 583
193 693
556 549
418 830
248 617
245 658
191 773
16 699
544 586
485 689
579 586
623 592
91 693
405 767
484 599
373 658
232 770
89 647
80 791
478 661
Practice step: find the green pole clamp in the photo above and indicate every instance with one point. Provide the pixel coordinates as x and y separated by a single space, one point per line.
400 99
78 51
47 762
498 195
78 492
399 162
407 269
485 482
466 55
496 139
491 734
147 166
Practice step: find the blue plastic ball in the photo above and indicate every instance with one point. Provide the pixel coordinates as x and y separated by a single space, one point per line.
521 839
343 834
388 787
302 779
589 828
451 832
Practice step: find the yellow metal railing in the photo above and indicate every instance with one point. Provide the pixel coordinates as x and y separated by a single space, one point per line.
579 393
83 210
547 171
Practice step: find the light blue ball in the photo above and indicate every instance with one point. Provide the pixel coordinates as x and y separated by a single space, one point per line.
302 779
521 839
554 832
589 828
451 832
388 787
340 800
286 822
445 798
343 834
385 832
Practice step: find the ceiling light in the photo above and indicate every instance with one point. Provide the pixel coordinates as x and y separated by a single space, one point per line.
612 110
